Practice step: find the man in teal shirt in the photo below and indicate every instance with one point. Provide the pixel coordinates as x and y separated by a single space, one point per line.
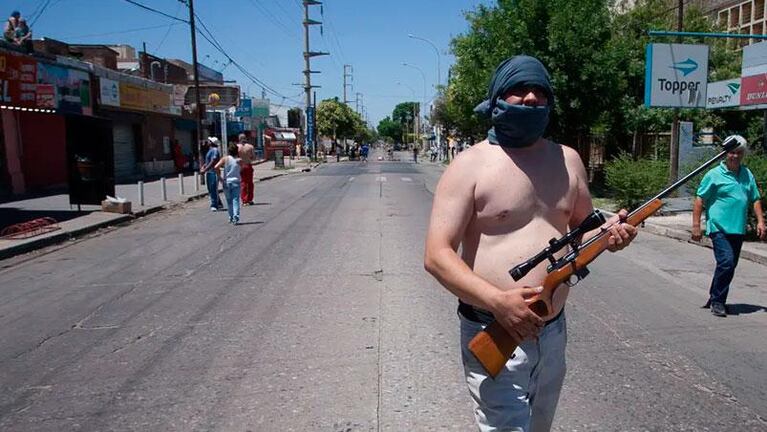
726 193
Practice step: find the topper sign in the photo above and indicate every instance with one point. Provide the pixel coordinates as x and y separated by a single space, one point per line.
676 75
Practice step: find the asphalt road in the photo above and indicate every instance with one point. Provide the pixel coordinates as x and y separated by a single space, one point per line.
316 314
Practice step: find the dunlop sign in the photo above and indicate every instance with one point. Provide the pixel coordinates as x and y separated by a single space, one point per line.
676 75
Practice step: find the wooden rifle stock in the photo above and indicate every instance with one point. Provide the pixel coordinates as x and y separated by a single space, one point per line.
494 346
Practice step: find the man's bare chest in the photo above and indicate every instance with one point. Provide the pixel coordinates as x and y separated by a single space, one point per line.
511 198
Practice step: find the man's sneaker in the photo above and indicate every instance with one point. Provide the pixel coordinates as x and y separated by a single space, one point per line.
213 209
718 309
236 220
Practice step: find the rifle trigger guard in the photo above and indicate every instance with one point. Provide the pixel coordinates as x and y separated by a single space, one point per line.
579 275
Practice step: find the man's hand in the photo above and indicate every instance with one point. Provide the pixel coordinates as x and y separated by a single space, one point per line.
761 230
621 234
511 311
696 233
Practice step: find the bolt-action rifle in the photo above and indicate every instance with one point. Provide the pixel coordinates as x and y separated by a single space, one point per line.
494 345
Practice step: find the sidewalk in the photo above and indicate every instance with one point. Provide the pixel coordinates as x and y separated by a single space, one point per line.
675 221
74 223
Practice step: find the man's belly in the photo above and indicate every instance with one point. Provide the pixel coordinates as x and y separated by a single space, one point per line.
496 256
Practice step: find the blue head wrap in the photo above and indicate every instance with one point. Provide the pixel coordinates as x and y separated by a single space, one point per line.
516 125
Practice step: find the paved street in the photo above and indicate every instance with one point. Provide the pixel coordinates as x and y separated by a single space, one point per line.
316 314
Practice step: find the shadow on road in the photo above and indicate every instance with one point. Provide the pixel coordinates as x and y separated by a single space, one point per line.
742 309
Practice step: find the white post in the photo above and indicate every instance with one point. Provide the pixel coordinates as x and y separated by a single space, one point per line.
196 181
141 193
164 190
181 184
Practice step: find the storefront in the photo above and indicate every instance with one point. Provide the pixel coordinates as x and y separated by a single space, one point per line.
37 99
143 115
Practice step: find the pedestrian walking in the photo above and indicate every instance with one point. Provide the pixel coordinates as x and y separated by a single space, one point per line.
415 153
501 201
230 166
247 155
212 157
725 193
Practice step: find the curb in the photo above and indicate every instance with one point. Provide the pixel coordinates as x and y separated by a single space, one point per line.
60 237
684 236
63 236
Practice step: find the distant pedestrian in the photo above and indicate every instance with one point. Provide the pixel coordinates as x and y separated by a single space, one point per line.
211 179
364 152
415 153
726 193
248 155
229 166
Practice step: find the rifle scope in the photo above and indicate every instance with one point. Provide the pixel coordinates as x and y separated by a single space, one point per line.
592 221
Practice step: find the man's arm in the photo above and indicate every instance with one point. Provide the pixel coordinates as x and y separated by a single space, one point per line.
761 230
697 211
452 210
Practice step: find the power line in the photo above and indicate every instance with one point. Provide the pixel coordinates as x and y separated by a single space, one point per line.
142 6
39 14
273 19
214 42
170 27
118 32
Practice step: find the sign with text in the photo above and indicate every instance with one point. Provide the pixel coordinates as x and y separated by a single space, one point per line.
676 75
18 77
109 92
723 94
753 90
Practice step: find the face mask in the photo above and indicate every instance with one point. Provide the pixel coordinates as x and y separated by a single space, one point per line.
517 126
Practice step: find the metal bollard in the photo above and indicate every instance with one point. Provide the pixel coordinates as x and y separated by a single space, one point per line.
181 184
196 181
141 193
164 190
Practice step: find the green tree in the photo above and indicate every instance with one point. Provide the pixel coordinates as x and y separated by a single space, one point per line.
390 130
337 120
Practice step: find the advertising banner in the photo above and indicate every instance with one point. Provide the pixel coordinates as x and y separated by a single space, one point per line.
676 75
109 92
245 109
139 98
723 94
261 108
18 78
753 90
72 87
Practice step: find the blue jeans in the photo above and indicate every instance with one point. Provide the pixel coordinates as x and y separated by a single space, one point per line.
524 396
211 181
726 252
232 194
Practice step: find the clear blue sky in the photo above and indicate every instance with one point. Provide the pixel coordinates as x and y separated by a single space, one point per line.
266 37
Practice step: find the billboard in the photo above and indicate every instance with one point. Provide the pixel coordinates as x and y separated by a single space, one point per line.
723 94
18 78
676 75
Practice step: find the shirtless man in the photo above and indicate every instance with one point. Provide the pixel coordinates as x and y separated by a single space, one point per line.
247 156
502 200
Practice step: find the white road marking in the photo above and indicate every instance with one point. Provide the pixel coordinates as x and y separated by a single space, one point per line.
351 178
381 179
406 179
302 179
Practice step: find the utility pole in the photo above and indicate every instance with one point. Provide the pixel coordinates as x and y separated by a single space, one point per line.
198 105
308 54
674 147
358 103
351 70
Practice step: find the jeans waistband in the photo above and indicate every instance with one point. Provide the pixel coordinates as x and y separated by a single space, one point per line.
481 316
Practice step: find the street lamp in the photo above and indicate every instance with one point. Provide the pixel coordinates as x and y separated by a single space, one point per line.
423 76
414 97
436 51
